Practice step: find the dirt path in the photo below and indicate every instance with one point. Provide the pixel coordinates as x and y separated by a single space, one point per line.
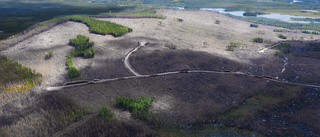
126 59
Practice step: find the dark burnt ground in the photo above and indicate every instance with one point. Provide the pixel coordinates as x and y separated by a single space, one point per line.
179 98
204 99
303 63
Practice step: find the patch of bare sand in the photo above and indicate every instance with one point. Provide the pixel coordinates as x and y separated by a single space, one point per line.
198 31
32 51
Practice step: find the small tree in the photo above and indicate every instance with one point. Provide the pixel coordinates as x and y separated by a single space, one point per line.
232 46
217 22
104 112
281 36
49 54
254 25
180 20
257 40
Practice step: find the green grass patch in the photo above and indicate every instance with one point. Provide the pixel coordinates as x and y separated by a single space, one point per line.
49 54
280 54
139 107
13 72
280 30
101 27
232 46
254 25
285 48
83 48
263 99
257 40
281 36
105 113
146 13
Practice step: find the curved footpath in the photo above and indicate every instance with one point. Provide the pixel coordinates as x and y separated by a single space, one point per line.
126 59
137 75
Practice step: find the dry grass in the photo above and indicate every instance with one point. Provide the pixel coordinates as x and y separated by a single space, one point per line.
179 99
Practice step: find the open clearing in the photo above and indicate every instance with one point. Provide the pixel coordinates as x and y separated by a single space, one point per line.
198 99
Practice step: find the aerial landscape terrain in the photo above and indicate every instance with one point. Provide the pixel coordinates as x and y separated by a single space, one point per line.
160 68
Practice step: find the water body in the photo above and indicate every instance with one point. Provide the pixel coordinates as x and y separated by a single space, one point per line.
1 31
286 18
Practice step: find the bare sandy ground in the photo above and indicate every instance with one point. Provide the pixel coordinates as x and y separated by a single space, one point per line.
198 31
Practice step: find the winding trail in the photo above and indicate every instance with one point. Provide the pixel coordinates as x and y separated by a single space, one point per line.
126 59
181 72
137 75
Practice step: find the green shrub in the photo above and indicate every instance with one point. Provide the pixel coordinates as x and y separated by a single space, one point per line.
138 107
180 20
279 30
13 72
257 40
280 54
49 54
89 53
232 46
83 47
285 48
73 72
217 22
301 37
254 25
261 32
310 32
281 36
104 112
314 47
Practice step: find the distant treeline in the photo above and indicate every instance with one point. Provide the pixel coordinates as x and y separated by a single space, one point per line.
278 23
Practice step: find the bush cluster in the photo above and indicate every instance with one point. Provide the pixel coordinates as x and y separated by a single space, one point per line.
280 30
73 72
49 54
138 107
310 32
217 22
257 40
314 47
106 113
232 46
281 36
83 46
254 25
285 48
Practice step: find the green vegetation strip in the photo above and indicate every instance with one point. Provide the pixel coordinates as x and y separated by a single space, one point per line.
12 72
83 48
145 13
101 27
16 79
